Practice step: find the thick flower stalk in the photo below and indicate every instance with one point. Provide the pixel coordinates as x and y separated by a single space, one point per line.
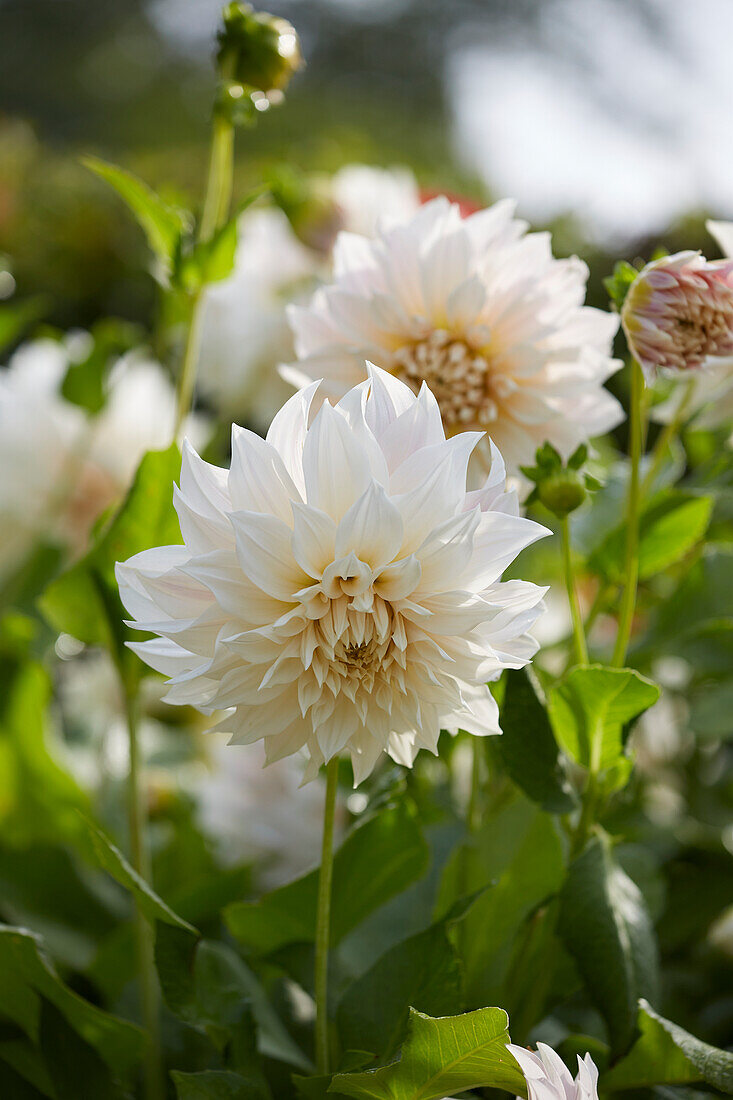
338 590
480 311
548 1078
678 313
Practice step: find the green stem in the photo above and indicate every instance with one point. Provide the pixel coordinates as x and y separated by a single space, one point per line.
581 648
666 437
140 859
473 814
218 195
217 201
323 920
187 377
631 564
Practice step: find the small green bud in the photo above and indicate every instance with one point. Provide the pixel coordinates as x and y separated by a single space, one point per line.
562 493
561 488
258 51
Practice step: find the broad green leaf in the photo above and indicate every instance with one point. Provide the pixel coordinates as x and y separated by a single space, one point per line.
666 1054
162 223
518 854
21 587
207 984
111 860
14 1084
38 799
84 600
442 1057
26 1061
376 861
422 971
77 1071
606 928
590 707
27 975
528 748
669 527
212 1084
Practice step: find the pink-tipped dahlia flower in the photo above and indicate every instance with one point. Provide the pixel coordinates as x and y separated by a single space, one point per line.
678 313
338 589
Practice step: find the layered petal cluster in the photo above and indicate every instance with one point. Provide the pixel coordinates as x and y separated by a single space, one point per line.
338 590
548 1078
710 395
245 334
62 466
678 313
478 309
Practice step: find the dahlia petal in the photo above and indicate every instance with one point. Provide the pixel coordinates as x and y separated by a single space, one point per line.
265 553
372 529
336 469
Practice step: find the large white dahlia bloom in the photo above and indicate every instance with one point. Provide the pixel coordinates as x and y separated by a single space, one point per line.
548 1078
479 310
338 590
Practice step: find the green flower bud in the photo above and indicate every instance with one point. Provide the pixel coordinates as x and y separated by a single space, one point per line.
561 488
562 493
257 50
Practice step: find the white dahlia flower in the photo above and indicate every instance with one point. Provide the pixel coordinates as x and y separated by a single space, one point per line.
62 466
245 332
480 311
338 589
548 1078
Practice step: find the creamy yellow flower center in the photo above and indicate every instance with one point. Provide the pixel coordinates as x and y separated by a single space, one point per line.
702 331
459 377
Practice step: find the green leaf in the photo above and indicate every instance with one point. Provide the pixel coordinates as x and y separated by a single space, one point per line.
77 1071
27 975
376 861
666 1054
39 801
670 526
210 261
528 748
27 1061
111 860
84 600
15 317
207 984
162 223
212 1084
605 926
422 971
518 852
442 1057
617 285
590 707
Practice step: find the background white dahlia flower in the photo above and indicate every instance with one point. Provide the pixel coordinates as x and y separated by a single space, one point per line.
245 333
339 590
61 465
548 1078
478 309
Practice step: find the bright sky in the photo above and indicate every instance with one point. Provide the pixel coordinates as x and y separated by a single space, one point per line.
640 131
